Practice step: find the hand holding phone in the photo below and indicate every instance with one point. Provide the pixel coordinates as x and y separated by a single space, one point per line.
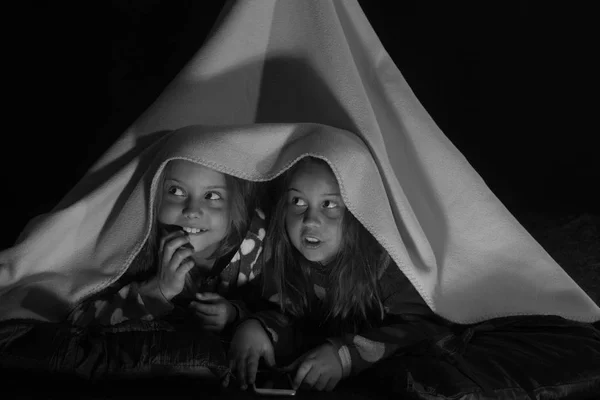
249 346
271 382
318 369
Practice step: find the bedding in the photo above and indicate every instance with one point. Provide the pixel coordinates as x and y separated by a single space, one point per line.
276 81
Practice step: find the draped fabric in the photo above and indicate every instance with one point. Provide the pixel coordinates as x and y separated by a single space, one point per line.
278 80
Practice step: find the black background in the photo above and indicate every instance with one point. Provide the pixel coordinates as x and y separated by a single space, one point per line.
507 82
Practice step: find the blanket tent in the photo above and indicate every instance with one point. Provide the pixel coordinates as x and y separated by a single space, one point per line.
309 62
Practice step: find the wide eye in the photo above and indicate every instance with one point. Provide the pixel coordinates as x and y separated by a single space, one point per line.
298 202
330 204
175 191
213 196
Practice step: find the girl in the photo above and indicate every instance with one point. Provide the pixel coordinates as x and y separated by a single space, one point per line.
341 301
202 217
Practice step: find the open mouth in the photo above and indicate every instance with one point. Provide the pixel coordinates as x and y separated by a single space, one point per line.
193 231
311 242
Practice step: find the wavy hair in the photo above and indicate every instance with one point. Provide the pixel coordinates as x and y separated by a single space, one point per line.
353 293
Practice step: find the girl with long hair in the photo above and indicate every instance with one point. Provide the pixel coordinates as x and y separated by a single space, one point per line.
205 238
342 303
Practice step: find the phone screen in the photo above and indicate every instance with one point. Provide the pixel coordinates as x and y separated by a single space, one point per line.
273 383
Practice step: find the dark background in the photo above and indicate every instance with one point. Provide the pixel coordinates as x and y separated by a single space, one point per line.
506 82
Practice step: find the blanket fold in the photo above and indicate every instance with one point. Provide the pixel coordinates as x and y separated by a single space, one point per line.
277 81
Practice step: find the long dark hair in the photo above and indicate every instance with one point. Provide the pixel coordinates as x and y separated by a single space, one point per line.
353 290
242 204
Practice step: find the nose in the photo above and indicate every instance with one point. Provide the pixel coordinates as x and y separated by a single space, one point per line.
312 217
193 210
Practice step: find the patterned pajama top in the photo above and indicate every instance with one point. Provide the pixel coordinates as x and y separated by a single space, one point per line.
124 300
407 321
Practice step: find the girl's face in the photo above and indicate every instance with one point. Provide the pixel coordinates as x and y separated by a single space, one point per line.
195 199
314 212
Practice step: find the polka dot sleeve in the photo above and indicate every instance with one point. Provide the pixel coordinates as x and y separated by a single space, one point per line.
116 305
408 321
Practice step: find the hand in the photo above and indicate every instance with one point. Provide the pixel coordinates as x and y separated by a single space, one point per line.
214 311
174 252
319 368
249 344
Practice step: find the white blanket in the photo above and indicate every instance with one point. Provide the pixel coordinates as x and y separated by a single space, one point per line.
317 67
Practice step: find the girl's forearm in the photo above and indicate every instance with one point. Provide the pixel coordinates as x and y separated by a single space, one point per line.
358 352
281 329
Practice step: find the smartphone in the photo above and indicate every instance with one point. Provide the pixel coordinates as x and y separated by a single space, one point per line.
273 383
